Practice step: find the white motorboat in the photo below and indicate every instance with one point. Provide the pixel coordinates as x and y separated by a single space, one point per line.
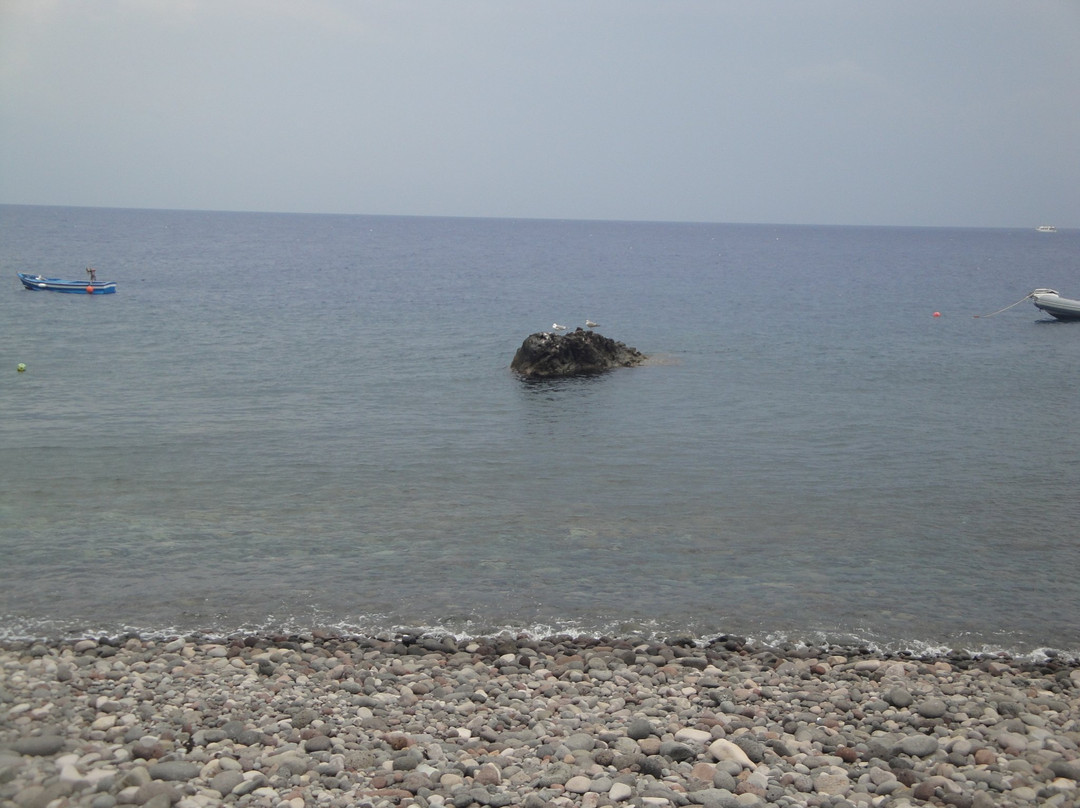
1055 305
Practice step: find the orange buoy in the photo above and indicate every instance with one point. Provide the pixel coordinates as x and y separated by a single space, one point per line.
89 290
937 313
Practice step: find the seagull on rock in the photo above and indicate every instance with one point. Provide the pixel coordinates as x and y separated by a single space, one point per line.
558 327
590 324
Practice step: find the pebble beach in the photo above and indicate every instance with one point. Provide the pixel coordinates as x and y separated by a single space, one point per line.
413 720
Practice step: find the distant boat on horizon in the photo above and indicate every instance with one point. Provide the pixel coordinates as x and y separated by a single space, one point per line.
1046 228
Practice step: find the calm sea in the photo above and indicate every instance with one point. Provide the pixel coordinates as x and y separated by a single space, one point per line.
285 422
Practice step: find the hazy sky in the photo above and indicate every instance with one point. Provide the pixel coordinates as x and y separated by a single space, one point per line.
895 112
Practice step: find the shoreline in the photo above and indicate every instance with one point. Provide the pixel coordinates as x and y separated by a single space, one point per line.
779 642
288 721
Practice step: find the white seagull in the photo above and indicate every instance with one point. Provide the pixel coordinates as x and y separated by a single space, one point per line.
558 327
590 324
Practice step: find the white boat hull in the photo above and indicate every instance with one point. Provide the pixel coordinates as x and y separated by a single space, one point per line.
1056 306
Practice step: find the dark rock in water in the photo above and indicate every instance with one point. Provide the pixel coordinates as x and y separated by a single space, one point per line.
543 355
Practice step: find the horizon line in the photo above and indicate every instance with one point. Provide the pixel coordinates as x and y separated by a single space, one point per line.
268 212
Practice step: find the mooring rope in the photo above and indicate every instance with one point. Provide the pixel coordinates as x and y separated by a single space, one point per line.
1017 303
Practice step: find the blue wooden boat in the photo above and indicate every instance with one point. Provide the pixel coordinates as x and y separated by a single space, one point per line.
36 282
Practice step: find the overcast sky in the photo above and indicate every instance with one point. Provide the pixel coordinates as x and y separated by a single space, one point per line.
911 112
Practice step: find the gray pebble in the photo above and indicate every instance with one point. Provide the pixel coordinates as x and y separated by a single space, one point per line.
652 765
406 762
580 741
932 708
714 798
512 721
676 751
320 743
726 780
1066 768
899 697
38 745
249 737
173 770
304 718
754 750
919 745
225 782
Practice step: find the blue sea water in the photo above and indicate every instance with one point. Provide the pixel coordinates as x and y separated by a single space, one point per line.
285 422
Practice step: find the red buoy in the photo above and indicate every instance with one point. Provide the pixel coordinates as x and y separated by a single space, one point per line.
89 290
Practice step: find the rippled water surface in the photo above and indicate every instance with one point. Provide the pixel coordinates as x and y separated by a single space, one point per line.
286 421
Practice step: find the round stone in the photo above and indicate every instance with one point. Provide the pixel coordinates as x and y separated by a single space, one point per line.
932 708
919 745
899 697
39 745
